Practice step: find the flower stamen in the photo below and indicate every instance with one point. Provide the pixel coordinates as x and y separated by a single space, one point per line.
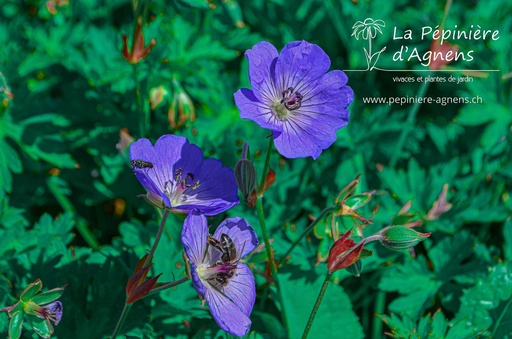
175 190
291 100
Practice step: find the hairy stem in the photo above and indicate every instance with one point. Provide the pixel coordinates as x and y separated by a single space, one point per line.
266 238
317 304
157 239
167 285
147 262
120 322
307 230
265 167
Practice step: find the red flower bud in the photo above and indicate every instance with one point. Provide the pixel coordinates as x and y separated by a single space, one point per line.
344 253
138 51
137 286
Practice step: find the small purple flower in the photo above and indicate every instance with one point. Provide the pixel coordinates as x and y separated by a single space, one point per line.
176 176
52 311
225 283
294 97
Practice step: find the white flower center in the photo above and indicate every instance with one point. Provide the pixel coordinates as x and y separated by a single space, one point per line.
291 101
176 190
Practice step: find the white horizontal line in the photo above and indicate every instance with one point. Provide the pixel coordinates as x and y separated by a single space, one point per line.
424 70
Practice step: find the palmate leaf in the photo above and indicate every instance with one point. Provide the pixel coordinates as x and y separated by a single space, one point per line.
47 240
488 305
9 159
419 284
451 258
434 326
35 150
416 184
414 282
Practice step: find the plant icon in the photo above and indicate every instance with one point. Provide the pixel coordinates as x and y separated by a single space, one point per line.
368 29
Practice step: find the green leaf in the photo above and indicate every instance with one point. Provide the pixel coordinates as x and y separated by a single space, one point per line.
15 325
31 290
414 282
9 159
267 324
450 257
434 326
42 327
487 305
507 237
201 4
48 296
335 316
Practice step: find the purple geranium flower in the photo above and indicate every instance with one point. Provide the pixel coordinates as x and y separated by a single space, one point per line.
218 276
176 176
294 97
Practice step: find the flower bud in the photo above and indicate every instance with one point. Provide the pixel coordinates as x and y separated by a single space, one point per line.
270 178
401 237
245 174
182 107
33 306
348 204
344 252
51 5
137 286
138 51
441 205
157 96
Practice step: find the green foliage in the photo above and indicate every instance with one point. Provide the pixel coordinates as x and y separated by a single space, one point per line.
69 206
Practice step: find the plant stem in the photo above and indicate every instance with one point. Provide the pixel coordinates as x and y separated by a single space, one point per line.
157 239
307 230
270 256
317 304
379 309
81 224
139 108
264 231
409 124
166 286
147 262
120 322
265 167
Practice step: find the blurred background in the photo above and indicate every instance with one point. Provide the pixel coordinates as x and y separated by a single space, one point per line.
72 101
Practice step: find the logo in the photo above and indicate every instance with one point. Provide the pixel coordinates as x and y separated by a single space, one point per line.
368 30
441 52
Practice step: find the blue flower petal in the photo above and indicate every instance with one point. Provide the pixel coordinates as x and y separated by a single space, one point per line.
217 191
226 313
240 232
194 236
253 109
299 64
242 289
261 58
